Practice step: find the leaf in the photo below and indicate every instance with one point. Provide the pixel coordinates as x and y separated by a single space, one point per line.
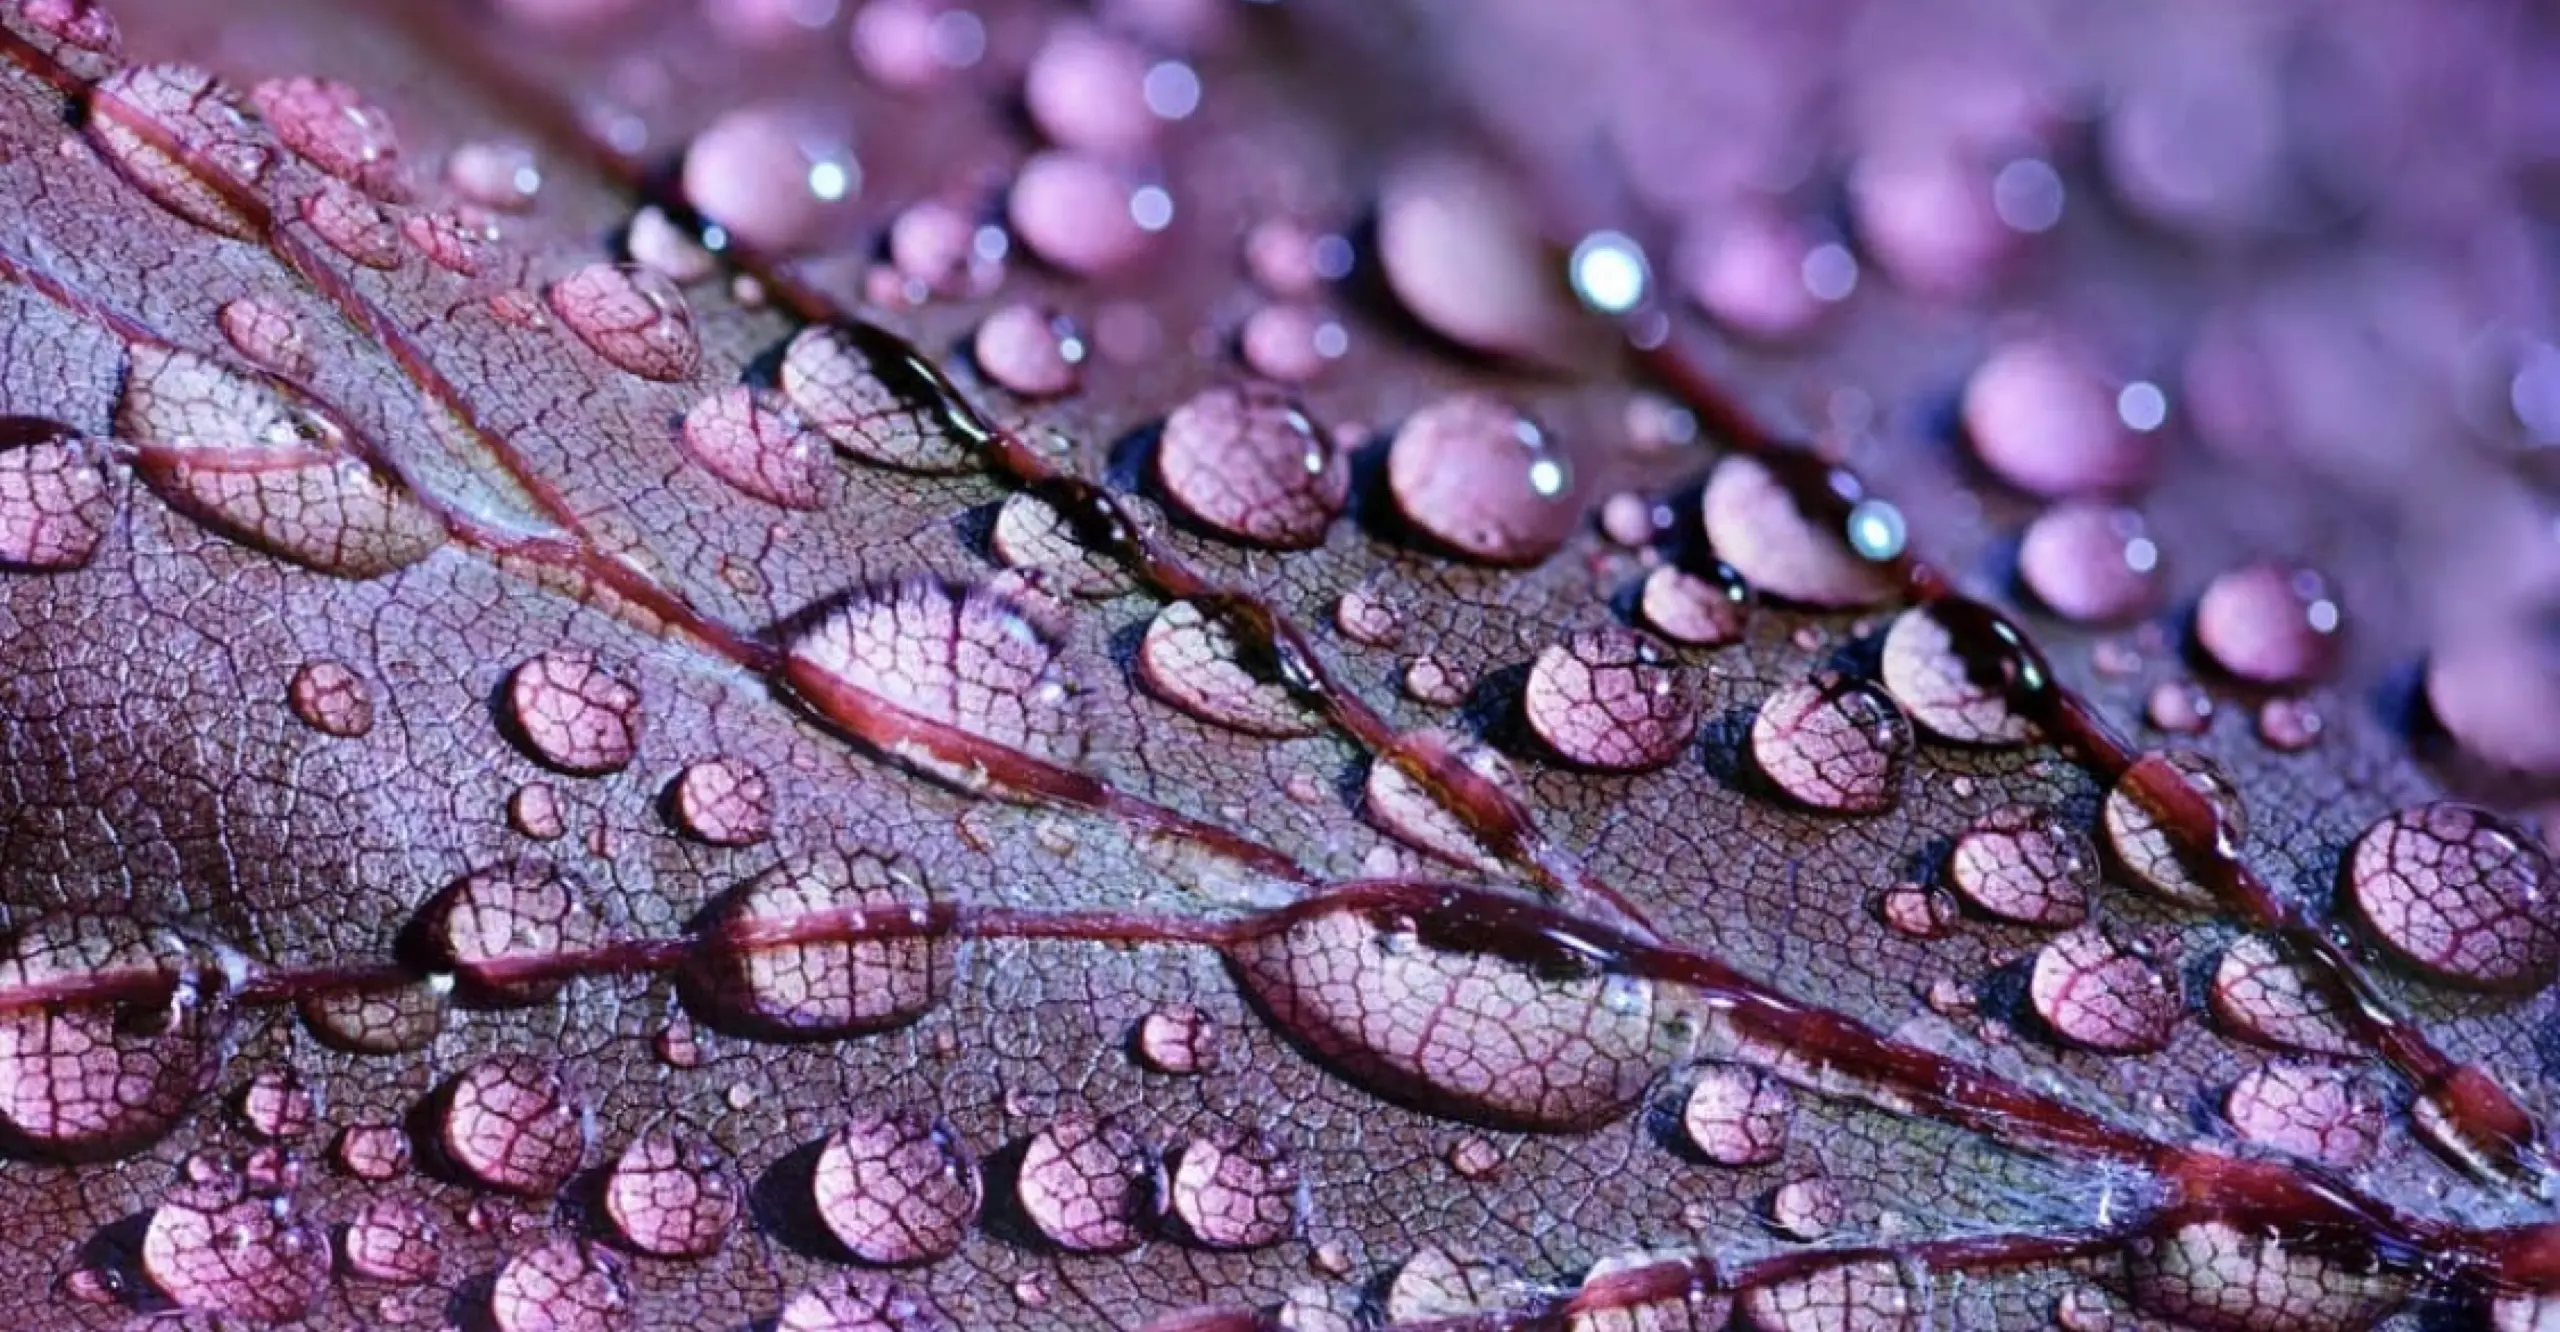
541 791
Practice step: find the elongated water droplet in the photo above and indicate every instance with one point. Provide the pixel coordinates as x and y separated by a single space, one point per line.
897 1186
333 127
1737 1116
561 1284
672 1195
1864 1295
2459 894
752 439
353 225
254 1259
2104 996
95 1078
2263 996
632 316
1757 527
1235 1188
2025 865
1404 809
2318 1112
1192 659
1701 610
1936 681
573 714
1031 533
511 1124
859 1301
2139 836
1473 474
1090 1185
837 982
179 136
54 501
2090 562
830 374
501 917
724 801
2270 625
2216 1276
332 699
1609 699
390 1018
1833 743
1249 463
394 1242
248 457
265 330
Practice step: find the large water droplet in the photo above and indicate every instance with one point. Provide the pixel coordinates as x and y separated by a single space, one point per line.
183 139
97 1078
1472 473
1833 743
2459 894
511 1124
1864 1295
859 1301
561 1284
724 801
253 1259
2263 996
2216 1276
2318 1112
752 439
504 916
54 501
1700 609
829 374
838 983
1193 660
333 127
1755 525
2044 421
2025 865
1737 1116
1075 211
1235 1188
332 699
1086 89
391 1018
573 714
1461 247
672 1195
2105 996
1249 463
897 1186
393 1241
1609 699
1938 682
353 225
632 316
248 457
1029 350
1090 1185
2269 624
264 330
2090 562
2167 865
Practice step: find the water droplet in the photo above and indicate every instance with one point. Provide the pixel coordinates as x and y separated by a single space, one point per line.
1431 678
672 1195
1249 463
829 374
332 699
561 1284
265 330
255 1260
859 1301
1804 1209
1862 1295
2270 625
1029 350
2025 865
1194 661
2180 707
1292 344
769 176
1287 259
1473 474
724 801
1407 811
573 714
2043 420
1757 527
534 810
54 502
1737 1116
334 128
2152 858
450 241
1235 1188
1031 533
1833 743
1087 90
752 439
2104 996
2264 996
1462 248
393 1241
897 1187
372 1151
492 921
1090 1185
491 174
276 1105
1435 1283
1917 910
139 114
1940 684
1075 211
1365 616
632 316
1474 1157
391 1018
2459 894
2090 562
2216 1276
834 984
512 1124
75 32
252 459
2289 725
2318 1112
1468 1026
658 244
1608 699
1609 273
87 1080
353 225
1180 1040
1702 610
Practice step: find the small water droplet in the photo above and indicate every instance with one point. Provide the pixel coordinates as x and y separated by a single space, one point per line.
632 316
657 243
1407 811
2042 419
1087 89
265 330
1804 1209
1834 744
2262 995
393 1241
897 1186
534 810
1940 682
2222 1277
1609 699
724 801
508 915
1031 533
1193 660
753 440
138 114
2289 725
1179 1040
1234 1188
2152 858
770 176
1292 344
830 375
1076 211
573 714
451 241
255 1260
1248 462
1757 526
276 1105
1366 616
512 1124
2025 865
672 1195
1917 910
561 1284
2460 894
391 1018
2270 625
1473 474
2104 996
1090 1185
372 1151
54 501
353 225
1436 1283
332 699
2090 562
2180 707
1737 1116
333 127
1432 679
2318 1112
493 174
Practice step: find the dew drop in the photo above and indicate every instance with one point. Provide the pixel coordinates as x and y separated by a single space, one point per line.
1032 533
1862 1295
1075 211
752 439
1235 1188
372 1151
1475 475
1365 616
390 1018
492 923
561 1284
2318 1112
450 241
332 699
333 127
829 374
1247 462
632 316
1028 350
2104 996
1404 809
2270 625
276 1105
1461 248
1292 344
1435 1284
1701 610
2215 1276
353 225
1180 1040
2459 894
492 174
144 116
93 1079
2091 563
574 715
1758 528
54 502
724 801
1609 699
394 1242
2139 838
2025 865
2180 707
1090 1185
2289 725
897 1187
254 1260
1737 1116
1474 1157
512 1125
831 984
1433 679
2261 995
770 177
1194 661
658 244
1086 89
1938 683
534 810
1832 743
1917 911
2044 421
265 331
672 1195
1804 1209
77 31
859 1301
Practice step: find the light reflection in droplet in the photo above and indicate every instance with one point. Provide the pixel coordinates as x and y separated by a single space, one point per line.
1609 273
1876 530
1830 272
1151 208
2142 406
959 39
1172 90
1332 257
1547 477
2027 193
830 181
